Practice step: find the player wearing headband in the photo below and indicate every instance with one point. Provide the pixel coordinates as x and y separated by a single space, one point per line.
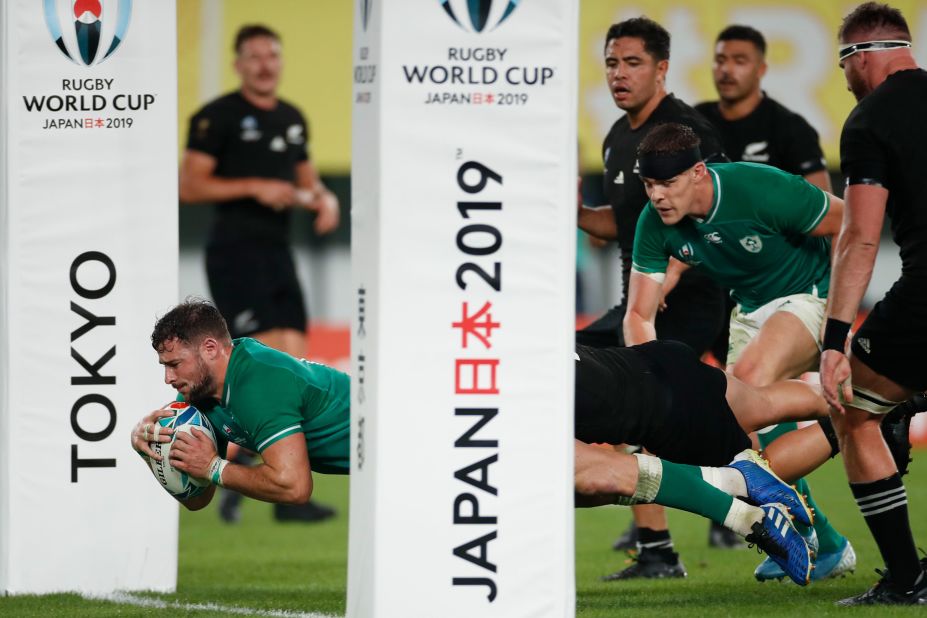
759 231
882 157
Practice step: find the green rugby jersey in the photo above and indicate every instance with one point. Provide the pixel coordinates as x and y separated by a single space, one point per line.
269 395
754 240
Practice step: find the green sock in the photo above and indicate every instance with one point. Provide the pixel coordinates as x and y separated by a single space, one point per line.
768 437
829 540
682 487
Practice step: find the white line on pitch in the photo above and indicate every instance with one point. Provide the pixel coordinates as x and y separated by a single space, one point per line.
124 598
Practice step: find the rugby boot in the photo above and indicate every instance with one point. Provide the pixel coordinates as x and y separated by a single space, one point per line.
769 570
650 565
764 487
777 536
628 540
885 592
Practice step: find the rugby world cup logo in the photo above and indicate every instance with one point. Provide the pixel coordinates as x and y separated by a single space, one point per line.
479 15
99 27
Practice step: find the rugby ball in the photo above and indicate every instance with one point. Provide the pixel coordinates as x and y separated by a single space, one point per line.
179 484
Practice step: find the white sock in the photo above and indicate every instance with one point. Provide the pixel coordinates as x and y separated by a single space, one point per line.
728 480
742 516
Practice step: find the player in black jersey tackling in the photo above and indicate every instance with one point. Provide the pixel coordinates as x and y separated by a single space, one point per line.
883 157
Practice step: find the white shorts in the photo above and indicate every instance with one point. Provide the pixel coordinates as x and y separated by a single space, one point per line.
744 326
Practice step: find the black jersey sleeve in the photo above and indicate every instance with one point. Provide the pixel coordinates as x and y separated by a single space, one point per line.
803 153
209 129
863 159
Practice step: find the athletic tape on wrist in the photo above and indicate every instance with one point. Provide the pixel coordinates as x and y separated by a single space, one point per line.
216 467
649 477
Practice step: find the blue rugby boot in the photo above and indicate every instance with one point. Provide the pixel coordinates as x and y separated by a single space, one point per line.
769 570
778 537
764 487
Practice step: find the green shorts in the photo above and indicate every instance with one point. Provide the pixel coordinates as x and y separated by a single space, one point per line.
744 326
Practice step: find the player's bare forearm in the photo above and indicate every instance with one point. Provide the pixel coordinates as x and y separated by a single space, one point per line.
263 482
854 259
597 222
638 329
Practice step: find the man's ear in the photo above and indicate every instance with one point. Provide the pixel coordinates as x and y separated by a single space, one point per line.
699 171
210 348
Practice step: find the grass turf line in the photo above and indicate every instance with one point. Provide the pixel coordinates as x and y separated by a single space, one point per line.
266 567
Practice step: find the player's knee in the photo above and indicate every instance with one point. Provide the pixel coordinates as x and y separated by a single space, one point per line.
752 373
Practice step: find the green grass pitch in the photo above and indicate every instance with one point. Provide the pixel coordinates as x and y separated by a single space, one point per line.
274 569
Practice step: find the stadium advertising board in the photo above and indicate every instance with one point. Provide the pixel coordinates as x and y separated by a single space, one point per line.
464 201
88 200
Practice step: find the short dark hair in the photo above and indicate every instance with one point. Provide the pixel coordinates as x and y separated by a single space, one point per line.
737 32
253 31
189 322
871 17
655 37
668 138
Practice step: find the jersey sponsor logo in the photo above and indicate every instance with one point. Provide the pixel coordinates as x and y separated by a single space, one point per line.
249 129
294 134
756 152
479 15
619 179
278 144
865 344
714 238
637 167
753 243
87 47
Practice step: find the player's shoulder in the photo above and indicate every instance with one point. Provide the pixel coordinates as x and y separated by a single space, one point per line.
708 109
750 174
673 109
289 109
784 114
901 91
230 102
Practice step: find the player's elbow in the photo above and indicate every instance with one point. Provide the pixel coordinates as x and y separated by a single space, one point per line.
298 490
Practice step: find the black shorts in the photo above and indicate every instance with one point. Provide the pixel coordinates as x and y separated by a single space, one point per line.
695 314
255 288
677 409
893 339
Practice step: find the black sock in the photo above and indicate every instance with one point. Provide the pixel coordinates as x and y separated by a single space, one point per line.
657 541
884 505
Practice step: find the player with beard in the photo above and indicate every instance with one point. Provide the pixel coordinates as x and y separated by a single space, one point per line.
756 128
636 63
296 414
883 159
247 153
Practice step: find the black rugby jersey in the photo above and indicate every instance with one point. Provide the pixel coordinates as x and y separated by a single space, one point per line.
249 141
770 134
622 184
884 141
618 397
